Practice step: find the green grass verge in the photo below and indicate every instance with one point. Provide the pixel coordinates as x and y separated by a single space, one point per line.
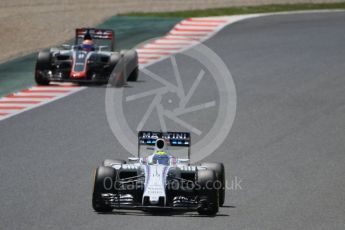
242 10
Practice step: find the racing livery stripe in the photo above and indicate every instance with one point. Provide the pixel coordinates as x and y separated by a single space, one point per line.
147 177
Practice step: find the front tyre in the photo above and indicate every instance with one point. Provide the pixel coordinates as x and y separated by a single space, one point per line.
220 173
43 64
208 194
104 179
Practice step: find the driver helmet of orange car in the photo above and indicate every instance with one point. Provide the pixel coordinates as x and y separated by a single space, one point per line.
88 45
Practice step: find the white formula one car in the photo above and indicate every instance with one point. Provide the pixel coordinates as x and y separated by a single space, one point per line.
157 179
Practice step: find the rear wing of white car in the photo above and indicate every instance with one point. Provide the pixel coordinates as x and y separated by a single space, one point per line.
174 139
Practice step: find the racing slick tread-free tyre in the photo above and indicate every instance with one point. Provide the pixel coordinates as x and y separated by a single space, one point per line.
131 64
220 172
104 180
109 162
42 65
117 65
209 195
134 75
113 60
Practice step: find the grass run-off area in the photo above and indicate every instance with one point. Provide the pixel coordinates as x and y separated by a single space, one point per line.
242 10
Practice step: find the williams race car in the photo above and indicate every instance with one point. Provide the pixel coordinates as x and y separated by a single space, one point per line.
91 59
158 180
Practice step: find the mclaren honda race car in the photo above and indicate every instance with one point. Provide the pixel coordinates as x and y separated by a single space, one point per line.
157 179
91 59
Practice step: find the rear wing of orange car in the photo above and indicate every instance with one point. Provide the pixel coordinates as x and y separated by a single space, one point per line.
95 34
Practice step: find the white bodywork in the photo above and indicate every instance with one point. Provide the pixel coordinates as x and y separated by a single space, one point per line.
155 176
155 182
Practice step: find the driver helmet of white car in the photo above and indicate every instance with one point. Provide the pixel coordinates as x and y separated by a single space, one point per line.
160 156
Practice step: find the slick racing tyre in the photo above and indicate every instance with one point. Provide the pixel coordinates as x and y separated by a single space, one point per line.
220 173
113 60
104 180
134 75
42 66
208 194
131 64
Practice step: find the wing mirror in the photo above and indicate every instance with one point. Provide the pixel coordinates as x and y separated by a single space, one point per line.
101 48
183 161
133 159
66 46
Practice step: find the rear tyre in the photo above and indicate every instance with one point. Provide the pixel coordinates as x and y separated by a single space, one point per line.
103 183
117 65
220 173
113 60
134 75
42 66
131 64
109 162
208 194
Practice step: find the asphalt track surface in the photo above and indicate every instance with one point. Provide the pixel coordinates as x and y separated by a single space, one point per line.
287 142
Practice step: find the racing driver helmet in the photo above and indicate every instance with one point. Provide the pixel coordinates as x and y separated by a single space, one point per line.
160 155
88 45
